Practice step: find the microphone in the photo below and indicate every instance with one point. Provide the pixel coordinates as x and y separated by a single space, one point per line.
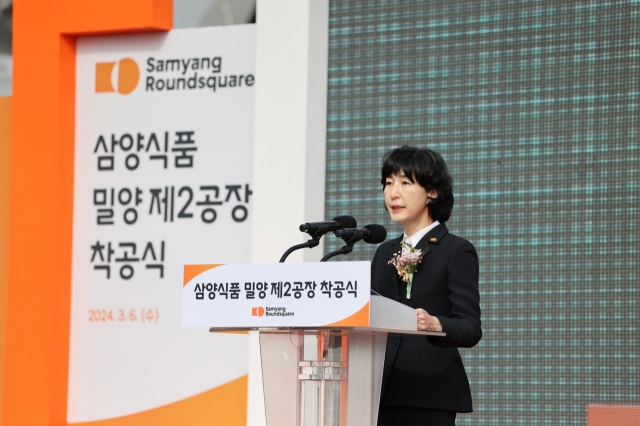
321 228
372 234
317 229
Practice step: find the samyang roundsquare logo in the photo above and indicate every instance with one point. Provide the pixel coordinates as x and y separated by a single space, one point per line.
192 73
126 78
161 75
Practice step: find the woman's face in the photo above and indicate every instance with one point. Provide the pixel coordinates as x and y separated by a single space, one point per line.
406 201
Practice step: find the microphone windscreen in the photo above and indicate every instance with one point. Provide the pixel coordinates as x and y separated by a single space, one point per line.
378 234
346 221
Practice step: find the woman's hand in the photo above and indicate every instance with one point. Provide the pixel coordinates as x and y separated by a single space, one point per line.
427 322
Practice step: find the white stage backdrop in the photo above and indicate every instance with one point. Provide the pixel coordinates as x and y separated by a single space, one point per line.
163 157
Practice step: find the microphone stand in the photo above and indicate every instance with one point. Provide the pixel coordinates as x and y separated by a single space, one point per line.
313 242
342 250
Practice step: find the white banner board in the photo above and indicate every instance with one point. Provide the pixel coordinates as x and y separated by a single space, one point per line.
163 157
312 294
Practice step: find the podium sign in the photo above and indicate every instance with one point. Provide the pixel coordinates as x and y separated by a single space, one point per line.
309 294
322 334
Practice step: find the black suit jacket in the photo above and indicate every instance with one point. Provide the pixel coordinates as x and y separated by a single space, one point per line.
428 372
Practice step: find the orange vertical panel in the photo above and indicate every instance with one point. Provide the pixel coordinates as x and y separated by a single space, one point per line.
41 192
5 152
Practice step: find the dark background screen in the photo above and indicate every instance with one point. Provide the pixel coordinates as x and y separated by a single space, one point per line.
535 107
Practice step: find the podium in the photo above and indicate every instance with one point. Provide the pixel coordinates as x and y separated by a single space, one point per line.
316 372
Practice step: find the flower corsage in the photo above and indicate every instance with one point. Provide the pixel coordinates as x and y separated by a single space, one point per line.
406 263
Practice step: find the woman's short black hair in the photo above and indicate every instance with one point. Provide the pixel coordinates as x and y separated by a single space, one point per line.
427 167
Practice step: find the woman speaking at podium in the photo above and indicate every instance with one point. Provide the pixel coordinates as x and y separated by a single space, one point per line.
436 273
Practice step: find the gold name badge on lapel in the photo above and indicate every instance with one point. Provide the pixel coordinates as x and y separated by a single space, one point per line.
433 239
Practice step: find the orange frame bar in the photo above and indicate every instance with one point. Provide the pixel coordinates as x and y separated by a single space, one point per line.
41 192
618 415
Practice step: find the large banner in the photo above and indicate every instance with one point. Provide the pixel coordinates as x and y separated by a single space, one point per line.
164 129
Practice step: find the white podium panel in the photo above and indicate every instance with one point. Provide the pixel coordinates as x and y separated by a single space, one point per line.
322 356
